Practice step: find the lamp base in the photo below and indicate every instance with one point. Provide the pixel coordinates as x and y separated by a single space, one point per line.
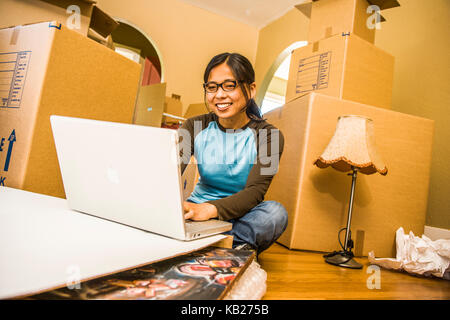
342 259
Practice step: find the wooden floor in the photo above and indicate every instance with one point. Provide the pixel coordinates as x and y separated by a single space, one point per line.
293 274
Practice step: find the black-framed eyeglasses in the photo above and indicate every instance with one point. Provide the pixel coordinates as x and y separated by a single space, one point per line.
227 85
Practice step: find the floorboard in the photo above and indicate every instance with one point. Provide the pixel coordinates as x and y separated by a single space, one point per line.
294 274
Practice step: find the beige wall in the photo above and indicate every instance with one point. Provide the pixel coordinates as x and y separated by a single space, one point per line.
187 38
417 34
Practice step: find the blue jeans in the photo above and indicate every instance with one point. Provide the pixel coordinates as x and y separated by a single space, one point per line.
261 226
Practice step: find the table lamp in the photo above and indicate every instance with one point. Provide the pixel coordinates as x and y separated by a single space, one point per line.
352 148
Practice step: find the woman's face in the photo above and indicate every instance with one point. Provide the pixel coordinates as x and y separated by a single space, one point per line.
228 105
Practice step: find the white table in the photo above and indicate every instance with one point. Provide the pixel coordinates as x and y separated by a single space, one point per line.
44 244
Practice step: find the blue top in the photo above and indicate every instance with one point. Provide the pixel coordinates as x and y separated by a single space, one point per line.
224 161
236 166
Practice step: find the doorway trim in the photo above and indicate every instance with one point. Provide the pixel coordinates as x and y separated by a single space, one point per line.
273 68
158 52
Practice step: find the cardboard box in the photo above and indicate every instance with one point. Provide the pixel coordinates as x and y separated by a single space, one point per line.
332 17
196 109
150 105
33 11
189 178
48 69
173 111
346 67
108 41
317 199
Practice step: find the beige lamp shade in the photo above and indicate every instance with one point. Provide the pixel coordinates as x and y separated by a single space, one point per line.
353 145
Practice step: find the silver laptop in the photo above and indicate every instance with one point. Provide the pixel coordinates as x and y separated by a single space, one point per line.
127 174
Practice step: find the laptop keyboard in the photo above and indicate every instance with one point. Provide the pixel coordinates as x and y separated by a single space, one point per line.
194 226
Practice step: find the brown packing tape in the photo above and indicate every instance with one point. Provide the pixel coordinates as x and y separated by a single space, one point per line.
315 46
305 8
14 36
359 243
328 32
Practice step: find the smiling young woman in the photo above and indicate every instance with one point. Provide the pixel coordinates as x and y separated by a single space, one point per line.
226 98
237 153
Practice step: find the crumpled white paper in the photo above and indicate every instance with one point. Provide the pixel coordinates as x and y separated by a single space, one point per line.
418 256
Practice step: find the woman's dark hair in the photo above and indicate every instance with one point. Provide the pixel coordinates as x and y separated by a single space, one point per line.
243 72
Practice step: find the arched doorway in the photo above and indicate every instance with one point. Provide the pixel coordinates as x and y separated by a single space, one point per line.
131 42
272 90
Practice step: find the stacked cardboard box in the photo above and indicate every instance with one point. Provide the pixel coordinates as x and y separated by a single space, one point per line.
332 17
196 109
173 112
344 66
48 69
341 72
154 108
317 199
340 59
150 105
82 16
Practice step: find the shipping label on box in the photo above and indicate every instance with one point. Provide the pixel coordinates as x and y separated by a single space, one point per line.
343 66
313 73
13 68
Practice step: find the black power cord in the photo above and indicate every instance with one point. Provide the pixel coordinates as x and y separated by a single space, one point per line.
349 242
347 253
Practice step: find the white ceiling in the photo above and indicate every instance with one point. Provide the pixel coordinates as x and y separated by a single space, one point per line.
257 13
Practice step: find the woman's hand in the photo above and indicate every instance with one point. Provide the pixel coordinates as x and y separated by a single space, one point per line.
199 211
